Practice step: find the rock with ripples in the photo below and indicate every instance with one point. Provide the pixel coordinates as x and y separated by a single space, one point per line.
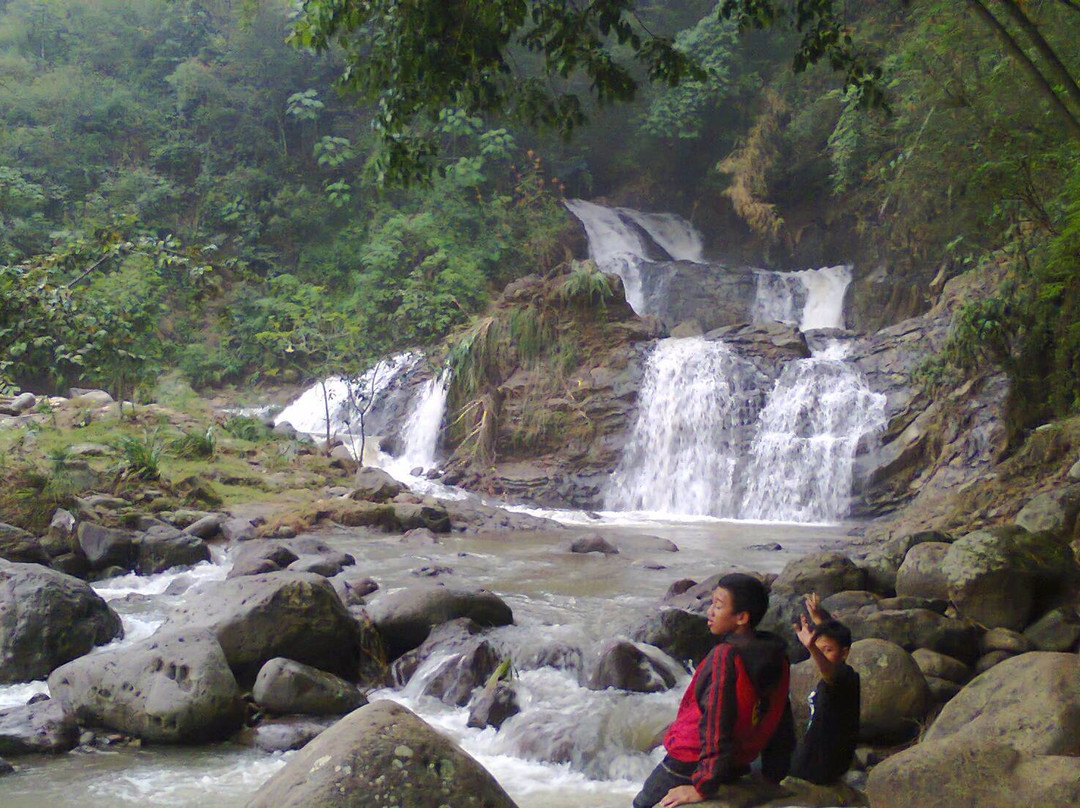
381 755
46 619
175 687
297 615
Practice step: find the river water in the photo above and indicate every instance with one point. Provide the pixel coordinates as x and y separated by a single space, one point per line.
568 747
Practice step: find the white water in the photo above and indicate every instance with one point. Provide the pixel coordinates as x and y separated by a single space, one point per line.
308 413
618 248
809 298
801 460
683 454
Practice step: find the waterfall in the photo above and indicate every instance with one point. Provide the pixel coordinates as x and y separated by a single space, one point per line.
809 298
801 458
420 435
620 240
308 412
697 398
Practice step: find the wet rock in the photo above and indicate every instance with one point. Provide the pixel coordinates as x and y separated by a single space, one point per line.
175 687
1030 702
432 571
353 587
626 666
36 728
455 679
921 575
5 768
46 619
406 617
593 543
680 634
447 639
679 587
326 565
419 535
237 530
493 706
1057 630
411 516
285 686
375 485
283 734
770 547
558 655
259 617
381 754
18 545
164 547
931 663
997 576
106 547
972 772
825 573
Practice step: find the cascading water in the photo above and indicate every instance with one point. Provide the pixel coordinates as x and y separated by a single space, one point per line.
698 399
618 244
420 436
802 456
809 298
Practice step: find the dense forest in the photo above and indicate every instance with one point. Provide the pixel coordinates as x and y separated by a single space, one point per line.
190 185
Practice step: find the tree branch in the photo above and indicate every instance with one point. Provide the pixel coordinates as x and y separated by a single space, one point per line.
1057 68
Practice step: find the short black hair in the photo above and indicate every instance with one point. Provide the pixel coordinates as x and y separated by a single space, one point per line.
748 594
835 630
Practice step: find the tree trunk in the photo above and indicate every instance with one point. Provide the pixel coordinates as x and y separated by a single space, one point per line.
1058 70
1028 66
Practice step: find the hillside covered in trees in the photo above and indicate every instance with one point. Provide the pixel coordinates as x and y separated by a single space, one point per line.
182 187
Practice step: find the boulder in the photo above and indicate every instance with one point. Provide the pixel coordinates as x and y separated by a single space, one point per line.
259 617
22 547
325 565
1005 639
1057 630
456 677
285 686
493 705
593 543
237 530
972 772
942 689
256 557
627 666
1030 702
59 539
1052 511
997 576
206 527
447 639
895 696
106 547
990 659
46 619
680 634
175 687
411 515
164 547
921 575
375 485
39 727
882 561
916 628
406 617
283 734
825 573
931 663
381 754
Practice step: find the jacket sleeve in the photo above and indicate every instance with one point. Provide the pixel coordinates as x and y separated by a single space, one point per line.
715 693
776 756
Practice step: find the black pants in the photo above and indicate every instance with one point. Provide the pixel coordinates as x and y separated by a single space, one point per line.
668 774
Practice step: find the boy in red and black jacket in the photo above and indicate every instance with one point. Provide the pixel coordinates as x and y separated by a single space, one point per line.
735 708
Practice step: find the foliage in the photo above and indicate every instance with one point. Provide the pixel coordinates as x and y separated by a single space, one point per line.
140 457
587 286
246 428
194 444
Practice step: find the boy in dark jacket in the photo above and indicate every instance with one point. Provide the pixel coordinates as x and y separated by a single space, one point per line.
828 747
734 709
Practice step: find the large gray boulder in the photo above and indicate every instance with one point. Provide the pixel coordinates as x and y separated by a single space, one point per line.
1030 702
381 755
627 666
106 546
406 617
258 617
175 687
973 773
285 686
916 628
375 485
35 728
895 696
825 573
20 546
997 576
1053 511
921 575
46 619
163 547
883 560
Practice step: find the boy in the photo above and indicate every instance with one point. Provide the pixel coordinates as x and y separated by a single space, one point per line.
828 747
735 707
